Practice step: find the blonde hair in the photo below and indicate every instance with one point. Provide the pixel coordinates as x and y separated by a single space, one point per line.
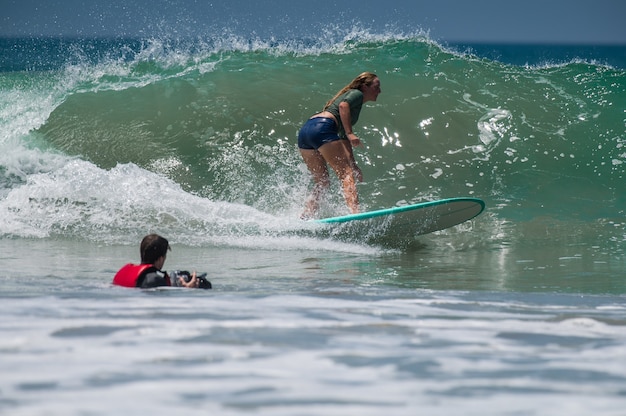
364 79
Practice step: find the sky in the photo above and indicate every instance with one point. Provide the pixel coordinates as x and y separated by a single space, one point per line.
487 21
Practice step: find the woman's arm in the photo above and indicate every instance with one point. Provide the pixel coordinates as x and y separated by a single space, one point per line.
346 122
344 113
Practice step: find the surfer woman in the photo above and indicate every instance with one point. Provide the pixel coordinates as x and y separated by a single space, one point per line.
327 138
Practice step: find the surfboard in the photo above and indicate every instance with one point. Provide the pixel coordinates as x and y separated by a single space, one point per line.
416 219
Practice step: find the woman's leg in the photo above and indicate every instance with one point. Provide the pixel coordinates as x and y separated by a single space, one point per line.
317 166
338 154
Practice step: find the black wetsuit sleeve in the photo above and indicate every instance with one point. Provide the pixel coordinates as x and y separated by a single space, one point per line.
152 277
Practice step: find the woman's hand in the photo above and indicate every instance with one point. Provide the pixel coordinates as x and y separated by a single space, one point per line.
354 140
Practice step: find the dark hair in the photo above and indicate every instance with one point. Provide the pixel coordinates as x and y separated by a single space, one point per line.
152 247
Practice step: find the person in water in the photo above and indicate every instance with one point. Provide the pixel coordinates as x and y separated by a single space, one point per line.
327 138
148 274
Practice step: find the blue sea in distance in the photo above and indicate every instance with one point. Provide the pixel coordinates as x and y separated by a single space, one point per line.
547 54
521 311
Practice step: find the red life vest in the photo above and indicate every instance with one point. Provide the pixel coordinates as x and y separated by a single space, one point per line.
128 275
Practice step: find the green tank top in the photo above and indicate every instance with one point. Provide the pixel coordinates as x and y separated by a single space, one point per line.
355 99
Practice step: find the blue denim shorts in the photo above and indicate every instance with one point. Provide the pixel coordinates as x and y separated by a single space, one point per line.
316 132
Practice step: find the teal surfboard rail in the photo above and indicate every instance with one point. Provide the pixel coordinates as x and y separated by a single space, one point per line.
405 208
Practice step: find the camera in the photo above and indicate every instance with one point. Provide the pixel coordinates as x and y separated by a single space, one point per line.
175 275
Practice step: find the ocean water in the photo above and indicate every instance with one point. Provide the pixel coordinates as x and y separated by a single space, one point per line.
520 311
